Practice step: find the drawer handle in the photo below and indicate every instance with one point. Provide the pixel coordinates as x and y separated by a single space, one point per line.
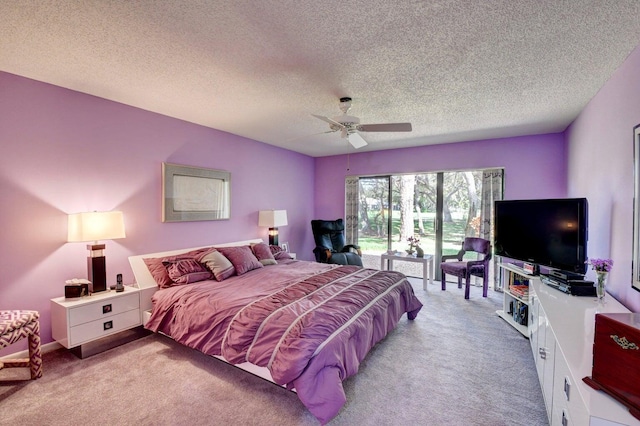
624 343
106 309
565 419
543 353
567 387
107 325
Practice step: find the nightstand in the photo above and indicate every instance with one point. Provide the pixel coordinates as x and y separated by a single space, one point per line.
76 323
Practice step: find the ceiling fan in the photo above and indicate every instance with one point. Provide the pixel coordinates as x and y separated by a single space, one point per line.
350 125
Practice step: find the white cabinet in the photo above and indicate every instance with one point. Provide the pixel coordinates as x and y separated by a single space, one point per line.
543 345
75 322
561 329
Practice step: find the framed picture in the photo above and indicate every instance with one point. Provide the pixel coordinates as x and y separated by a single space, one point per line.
636 209
285 247
192 193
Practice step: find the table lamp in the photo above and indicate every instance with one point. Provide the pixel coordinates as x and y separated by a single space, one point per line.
95 226
272 219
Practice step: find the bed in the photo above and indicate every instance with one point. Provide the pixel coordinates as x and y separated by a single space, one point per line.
302 325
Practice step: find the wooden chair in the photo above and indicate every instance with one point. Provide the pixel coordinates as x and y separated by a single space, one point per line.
15 326
465 269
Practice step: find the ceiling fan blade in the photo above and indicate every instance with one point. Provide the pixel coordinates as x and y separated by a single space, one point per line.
328 120
356 140
307 136
388 127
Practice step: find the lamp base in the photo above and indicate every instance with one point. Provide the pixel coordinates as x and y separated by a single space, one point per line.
97 268
273 236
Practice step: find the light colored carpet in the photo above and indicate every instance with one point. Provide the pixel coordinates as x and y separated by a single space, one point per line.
458 363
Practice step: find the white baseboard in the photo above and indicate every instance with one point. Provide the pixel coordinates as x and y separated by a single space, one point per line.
25 354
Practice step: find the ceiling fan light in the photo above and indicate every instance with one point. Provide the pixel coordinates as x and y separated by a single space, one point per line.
347 119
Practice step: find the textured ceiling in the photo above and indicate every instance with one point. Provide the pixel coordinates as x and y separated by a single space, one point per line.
456 69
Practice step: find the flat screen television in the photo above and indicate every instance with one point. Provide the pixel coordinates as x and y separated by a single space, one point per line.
551 232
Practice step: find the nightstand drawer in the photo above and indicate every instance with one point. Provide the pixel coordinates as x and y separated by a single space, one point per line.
103 327
103 309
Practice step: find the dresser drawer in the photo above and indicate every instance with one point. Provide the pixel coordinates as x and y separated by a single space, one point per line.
102 309
568 408
103 327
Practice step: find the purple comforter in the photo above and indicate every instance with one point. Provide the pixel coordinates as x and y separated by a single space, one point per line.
310 324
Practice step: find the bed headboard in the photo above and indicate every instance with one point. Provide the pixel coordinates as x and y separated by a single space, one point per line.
145 280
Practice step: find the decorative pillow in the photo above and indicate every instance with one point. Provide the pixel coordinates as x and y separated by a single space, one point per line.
242 258
263 254
221 267
158 270
282 255
186 270
275 249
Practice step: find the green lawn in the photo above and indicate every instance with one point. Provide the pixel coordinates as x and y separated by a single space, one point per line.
453 236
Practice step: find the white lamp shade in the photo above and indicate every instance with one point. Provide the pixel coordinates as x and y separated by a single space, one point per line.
94 226
272 218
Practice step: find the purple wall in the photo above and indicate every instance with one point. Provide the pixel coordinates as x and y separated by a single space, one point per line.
600 151
535 167
66 152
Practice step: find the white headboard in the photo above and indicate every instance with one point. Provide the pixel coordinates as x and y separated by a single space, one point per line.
145 280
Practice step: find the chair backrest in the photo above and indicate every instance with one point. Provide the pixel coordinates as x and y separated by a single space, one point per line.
328 234
479 245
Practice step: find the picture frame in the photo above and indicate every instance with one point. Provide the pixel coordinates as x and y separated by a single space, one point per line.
635 282
285 247
194 193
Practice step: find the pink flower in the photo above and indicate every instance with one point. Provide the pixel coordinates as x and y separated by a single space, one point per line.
600 265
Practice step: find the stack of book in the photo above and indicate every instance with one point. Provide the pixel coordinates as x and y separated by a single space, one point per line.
519 290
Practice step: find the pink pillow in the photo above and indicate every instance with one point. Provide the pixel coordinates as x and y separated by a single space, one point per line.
221 267
186 270
158 270
263 254
282 255
242 258
275 249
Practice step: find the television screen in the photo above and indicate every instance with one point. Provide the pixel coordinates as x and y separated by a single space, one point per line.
550 233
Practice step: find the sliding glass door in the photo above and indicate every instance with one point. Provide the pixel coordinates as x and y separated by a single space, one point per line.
440 209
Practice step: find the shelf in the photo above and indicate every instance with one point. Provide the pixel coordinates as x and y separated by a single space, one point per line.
518 270
523 300
521 328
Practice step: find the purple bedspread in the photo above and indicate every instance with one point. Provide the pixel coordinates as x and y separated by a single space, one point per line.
310 324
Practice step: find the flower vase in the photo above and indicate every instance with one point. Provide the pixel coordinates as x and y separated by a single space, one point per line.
601 283
409 252
419 251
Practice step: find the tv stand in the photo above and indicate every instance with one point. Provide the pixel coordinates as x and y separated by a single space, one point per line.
515 304
560 328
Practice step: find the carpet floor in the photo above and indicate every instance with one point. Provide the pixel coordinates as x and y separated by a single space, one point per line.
458 363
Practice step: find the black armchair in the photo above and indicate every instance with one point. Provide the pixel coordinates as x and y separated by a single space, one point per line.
330 244
464 269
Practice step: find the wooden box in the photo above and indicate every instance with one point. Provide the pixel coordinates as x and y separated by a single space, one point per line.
616 358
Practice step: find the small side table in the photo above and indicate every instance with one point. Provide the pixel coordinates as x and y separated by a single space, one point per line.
386 262
79 324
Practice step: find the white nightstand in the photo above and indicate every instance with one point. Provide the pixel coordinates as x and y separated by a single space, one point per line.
78 322
293 255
